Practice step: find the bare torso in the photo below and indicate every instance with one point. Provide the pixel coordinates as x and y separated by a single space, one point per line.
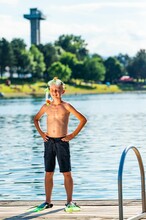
57 120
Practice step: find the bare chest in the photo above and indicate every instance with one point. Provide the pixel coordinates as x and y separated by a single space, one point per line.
57 112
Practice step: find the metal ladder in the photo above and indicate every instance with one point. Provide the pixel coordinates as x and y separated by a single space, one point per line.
120 194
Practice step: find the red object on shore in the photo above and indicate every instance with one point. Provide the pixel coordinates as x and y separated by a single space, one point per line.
126 79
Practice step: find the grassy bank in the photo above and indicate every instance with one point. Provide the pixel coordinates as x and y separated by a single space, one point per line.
38 89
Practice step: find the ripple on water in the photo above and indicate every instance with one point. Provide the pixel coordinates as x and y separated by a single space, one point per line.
115 121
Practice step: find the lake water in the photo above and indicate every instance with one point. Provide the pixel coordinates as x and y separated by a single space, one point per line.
115 121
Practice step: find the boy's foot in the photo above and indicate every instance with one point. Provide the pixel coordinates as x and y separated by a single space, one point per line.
43 206
72 207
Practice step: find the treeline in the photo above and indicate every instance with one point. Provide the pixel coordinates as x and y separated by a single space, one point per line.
68 58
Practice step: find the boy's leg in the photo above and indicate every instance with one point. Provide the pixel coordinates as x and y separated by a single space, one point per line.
49 160
68 183
48 185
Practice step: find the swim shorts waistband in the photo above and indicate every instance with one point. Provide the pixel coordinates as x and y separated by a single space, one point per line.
55 139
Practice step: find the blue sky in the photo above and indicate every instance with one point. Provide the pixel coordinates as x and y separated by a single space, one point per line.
109 27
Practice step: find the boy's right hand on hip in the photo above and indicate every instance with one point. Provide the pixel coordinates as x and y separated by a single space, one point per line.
45 137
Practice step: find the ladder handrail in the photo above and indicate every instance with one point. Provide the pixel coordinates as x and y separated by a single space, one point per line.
120 172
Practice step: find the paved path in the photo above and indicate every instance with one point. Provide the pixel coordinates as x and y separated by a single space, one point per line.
90 210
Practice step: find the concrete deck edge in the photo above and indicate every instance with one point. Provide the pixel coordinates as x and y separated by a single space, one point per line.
105 202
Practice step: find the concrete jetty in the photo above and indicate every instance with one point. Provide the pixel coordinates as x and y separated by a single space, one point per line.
90 210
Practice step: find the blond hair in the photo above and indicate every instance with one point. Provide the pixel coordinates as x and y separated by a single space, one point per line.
56 81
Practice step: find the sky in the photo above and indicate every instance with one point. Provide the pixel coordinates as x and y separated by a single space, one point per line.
109 27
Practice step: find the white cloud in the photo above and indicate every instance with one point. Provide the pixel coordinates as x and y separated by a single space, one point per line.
118 36
108 27
9 2
94 6
11 28
111 42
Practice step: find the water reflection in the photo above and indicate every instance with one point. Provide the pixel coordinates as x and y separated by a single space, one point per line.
114 122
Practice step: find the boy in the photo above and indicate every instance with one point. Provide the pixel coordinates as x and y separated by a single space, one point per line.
56 141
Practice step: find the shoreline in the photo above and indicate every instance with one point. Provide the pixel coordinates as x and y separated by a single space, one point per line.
40 95
38 89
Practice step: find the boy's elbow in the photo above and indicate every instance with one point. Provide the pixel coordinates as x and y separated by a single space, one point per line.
35 119
85 120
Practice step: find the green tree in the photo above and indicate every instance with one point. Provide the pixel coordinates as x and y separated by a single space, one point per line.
73 44
78 72
38 60
51 53
26 64
59 70
113 70
97 56
137 66
18 46
6 55
93 69
124 60
71 60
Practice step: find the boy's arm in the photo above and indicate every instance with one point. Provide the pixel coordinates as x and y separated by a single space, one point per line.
81 124
37 123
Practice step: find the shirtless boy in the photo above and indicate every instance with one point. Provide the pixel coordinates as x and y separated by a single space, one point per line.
56 141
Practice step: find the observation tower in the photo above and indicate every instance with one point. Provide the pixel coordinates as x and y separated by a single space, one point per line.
35 16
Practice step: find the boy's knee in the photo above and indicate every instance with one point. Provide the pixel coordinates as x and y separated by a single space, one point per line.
49 174
67 175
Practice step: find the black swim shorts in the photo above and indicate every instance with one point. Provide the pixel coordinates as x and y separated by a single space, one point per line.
55 147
